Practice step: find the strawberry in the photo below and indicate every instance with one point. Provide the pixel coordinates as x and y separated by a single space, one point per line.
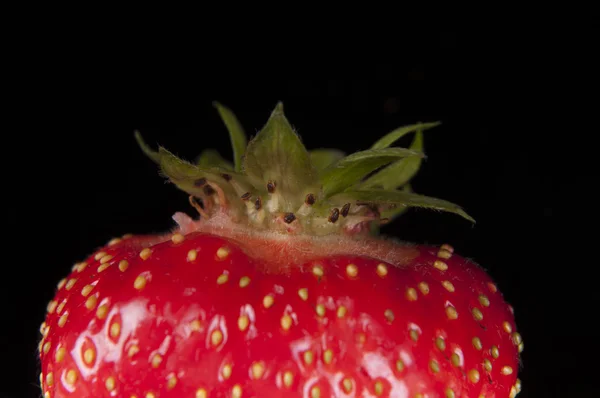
282 287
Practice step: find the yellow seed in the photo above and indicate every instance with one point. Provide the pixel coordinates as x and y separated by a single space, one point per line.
156 360
451 312
513 392
378 387
115 330
51 306
477 343
102 267
521 347
389 315
320 310
315 392
506 326
424 288
226 371
89 356
172 381
447 247
243 322
146 253
439 264
308 357
110 383
47 394
450 393
90 303
106 259
192 255
518 385
303 293
399 365
288 379
61 306
81 266
50 379
223 278
102 311
42 327
196 325
317 270
493 288
347 385
134 349
351 270
60 354
86 290
444 254
411 294
63 319
71 377
236 391
99 255
455 359
258 369
201 393
484 301
177 238
414 335
222 253
440 343
216 337
328 356
434 365
341 311
473 375
506 370
70 283
268 301
123 264
61 283
495 352
516 338
140 282
286 322
114 241
46 347
382 270
477 314
487 364
244 281
150 395
448 285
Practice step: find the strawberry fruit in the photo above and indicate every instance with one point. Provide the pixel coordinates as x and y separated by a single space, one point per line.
282 287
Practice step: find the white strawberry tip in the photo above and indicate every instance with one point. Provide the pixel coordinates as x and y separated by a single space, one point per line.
276 184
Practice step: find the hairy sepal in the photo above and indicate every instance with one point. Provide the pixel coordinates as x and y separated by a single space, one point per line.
236 134
400 132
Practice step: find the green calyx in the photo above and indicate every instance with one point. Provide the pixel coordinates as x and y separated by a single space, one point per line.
275 183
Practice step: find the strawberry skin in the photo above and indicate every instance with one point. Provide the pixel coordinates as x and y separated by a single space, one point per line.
195 316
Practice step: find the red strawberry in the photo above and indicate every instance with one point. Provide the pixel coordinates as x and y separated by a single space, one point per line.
281 289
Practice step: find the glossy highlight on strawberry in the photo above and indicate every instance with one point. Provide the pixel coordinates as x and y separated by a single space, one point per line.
301 300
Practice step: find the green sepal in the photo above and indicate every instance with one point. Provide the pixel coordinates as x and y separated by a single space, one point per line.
145 148
277 154
236 134
400 132
348 171
400 172
322 158
390 199
210 158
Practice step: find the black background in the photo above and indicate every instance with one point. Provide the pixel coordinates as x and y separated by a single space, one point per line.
78 178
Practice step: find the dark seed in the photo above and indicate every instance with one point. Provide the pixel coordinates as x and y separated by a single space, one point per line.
271 186
246 196
289 217
226 177
310 199
335 214
258 203
345 209
208 190
200 182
